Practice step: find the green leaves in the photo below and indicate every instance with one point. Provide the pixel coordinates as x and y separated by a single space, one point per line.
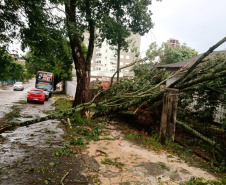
177 54
10 70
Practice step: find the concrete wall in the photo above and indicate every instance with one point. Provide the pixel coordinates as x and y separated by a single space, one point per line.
70 88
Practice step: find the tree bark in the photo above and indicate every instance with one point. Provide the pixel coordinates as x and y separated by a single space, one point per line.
118 62
82 64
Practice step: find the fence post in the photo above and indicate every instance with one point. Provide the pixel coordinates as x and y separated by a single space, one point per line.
169 114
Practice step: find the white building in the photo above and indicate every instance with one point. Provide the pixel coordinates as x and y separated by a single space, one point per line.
104 61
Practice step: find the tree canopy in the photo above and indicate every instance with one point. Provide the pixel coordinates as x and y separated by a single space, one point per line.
167 54
177 54
10 70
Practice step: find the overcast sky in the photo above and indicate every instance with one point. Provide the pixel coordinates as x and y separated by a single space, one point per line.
198 23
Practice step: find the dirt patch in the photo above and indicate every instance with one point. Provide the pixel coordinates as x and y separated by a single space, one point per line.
131 163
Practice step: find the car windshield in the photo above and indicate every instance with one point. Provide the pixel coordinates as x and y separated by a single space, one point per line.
36 92
18 83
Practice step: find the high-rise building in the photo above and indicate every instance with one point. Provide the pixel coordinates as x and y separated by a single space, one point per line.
173 42
104 61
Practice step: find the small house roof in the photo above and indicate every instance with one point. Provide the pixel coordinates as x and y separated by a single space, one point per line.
189 62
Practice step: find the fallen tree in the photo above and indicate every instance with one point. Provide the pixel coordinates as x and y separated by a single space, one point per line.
138 91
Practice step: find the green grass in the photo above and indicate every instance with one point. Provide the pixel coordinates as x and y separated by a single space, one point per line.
151 141
163 166
63 104
22 102
15 107
65 151
110 162
12 115
201 181
28 116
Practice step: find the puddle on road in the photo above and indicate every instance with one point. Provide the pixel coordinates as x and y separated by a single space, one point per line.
17 142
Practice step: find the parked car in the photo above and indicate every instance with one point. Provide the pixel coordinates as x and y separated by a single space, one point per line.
36 95
46 92
18 86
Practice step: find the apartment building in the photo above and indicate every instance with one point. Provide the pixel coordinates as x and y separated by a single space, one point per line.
104 61
173 42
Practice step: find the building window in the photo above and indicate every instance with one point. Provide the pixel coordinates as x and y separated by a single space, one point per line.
112 48
98 62
97 68
91 61
112 70
121 63
91 68
98 55
127 57
126 71
112 63
127 63
121 56
113 55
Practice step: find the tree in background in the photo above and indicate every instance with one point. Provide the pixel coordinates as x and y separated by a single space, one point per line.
167 55
127 18
9 21
176 54
56 59
10 70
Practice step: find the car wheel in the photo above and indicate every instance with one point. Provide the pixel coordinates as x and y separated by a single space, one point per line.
43 102
28 101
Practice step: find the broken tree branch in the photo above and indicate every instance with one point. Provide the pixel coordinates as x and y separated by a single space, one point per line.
211 142
211 49
131 64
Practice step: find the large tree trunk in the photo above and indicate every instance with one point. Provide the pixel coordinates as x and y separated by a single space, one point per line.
82 89
118 62
82 64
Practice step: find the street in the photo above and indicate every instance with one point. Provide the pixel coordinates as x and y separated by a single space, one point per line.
27 152
8 96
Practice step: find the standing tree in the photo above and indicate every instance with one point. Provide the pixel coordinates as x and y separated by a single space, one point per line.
111 18
127 18
10 70
45 23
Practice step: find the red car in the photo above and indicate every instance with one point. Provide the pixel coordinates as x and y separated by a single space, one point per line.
37 95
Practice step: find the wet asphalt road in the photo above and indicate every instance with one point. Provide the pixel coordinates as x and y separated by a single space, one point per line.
19 146
8 97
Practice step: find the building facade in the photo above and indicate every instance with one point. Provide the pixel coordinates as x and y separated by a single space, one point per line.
104 61
173 42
